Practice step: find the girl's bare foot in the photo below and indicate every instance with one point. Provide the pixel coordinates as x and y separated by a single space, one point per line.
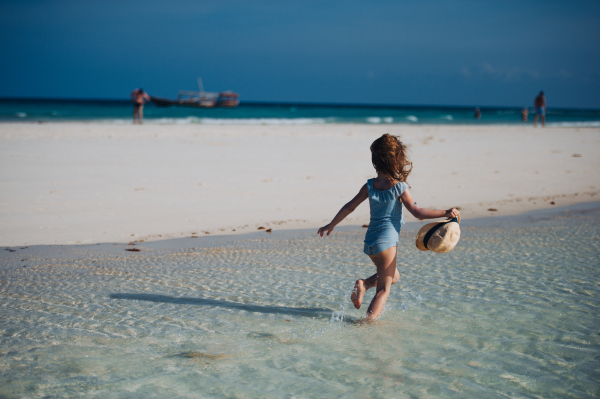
357 293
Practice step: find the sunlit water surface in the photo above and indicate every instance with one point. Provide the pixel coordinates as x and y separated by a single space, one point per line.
512 311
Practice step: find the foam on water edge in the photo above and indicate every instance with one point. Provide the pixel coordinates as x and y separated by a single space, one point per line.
303 121
223 121
574 124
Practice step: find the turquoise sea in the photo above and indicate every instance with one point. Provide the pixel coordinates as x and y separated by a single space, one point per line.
513 311
274 113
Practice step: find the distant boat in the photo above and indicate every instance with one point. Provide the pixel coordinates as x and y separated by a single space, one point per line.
200 99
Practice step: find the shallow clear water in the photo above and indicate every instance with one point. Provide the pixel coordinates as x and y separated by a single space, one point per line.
512 311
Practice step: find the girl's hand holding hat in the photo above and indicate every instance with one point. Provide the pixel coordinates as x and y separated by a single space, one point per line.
452 213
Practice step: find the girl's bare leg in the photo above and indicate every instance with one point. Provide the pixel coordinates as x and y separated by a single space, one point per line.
386 276
362 285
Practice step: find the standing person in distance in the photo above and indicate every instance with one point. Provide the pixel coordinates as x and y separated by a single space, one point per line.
138 97
540 109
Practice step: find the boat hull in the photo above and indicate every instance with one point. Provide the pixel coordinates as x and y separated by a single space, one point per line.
167 102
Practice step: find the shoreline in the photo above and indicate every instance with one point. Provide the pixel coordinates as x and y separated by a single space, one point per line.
87 183
294 122
46 252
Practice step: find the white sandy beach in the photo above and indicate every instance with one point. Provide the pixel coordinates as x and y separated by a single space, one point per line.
69 183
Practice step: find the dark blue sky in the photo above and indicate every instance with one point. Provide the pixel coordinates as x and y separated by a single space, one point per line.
486 53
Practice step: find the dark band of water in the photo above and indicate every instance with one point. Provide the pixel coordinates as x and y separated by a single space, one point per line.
118 111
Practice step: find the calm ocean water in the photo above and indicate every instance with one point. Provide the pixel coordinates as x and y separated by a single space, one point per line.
512 311
249 113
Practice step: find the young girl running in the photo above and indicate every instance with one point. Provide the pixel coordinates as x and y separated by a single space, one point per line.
386 193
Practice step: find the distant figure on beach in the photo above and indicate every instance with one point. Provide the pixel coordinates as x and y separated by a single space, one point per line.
524 114
139 98
540 109
386 193
477 113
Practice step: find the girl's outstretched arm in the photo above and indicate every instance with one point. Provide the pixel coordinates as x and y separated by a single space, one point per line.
347 209
423 213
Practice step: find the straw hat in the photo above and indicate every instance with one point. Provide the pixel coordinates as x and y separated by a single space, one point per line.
439 237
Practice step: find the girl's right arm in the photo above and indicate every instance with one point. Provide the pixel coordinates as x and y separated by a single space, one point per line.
347 209
424 213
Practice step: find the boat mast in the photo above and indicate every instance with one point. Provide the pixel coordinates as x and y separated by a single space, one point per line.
200 85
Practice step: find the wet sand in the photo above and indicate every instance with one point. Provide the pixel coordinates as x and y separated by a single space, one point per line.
84 183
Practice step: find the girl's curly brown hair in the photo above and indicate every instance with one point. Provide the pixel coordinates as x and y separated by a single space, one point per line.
388 155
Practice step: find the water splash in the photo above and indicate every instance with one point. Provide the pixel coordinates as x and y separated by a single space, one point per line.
338 317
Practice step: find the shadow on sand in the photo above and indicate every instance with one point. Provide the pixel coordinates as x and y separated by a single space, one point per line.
303 312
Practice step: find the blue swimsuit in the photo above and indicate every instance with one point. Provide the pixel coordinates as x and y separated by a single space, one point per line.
386 218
